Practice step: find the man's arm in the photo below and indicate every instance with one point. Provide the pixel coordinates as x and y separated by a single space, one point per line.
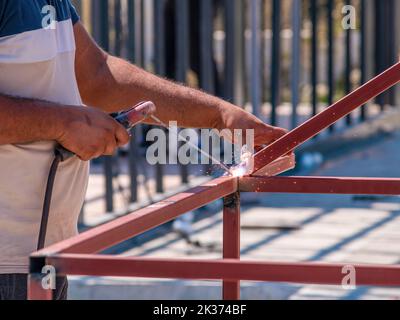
85 131
26 120
113 84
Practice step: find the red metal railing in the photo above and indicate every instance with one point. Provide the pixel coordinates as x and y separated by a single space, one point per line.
77 256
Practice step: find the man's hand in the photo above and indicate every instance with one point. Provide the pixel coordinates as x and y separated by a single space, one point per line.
90 133
236 118
113 84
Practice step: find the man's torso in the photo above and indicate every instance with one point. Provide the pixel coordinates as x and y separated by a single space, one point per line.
37 56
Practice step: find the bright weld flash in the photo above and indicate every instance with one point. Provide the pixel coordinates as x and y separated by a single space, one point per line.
245 166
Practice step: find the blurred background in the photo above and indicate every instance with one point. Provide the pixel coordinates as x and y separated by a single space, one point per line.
284 61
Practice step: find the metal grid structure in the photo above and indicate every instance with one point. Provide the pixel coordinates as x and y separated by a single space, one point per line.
77 256
229 45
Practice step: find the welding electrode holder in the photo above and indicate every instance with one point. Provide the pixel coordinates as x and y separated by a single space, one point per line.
127 119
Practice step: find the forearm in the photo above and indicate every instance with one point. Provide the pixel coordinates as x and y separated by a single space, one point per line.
122 85
26 120
112 85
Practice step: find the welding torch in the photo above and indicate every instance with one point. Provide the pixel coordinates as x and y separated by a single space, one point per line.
128 119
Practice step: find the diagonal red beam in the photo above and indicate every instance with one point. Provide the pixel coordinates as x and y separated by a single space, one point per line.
229 270
277 167
321 185
315 125
136 223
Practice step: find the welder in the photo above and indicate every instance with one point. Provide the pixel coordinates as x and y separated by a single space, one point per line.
57 87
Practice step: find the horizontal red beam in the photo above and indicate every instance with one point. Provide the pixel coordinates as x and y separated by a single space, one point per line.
328 117
230 270
119 230
321 185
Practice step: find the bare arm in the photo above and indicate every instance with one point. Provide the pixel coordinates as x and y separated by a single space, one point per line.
25 120
85 131
113 84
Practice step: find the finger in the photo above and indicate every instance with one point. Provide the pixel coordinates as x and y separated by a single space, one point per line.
110 147
122 136
269 135
280 132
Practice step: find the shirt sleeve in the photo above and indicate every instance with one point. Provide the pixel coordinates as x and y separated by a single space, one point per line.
74 14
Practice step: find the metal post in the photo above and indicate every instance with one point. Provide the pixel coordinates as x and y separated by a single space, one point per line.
348 86
142 34
363 53
276 50
109 175
397 45
131 30
256 72
133 158
100 23
182 55
182 39
229 73
117 27
234 51
101 34
331 55
231 242
240 57
133 154
314 56
206 39
385 44
159 38
207 64
35 288
296 58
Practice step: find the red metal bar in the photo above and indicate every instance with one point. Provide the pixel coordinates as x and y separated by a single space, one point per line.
321 185
278 166
307 273
328 117
232 270
35 288
231 244
129 226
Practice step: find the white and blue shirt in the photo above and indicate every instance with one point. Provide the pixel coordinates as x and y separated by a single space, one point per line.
37 60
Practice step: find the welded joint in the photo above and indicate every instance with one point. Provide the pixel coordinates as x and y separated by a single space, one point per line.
232 201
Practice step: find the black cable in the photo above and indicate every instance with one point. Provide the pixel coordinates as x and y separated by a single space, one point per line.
47 200
62 154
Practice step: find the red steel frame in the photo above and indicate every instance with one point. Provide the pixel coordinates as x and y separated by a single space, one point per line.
77 256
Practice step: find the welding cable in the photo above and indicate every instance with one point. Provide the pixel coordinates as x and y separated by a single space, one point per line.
47 198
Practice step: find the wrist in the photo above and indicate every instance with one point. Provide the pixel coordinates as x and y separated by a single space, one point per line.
59 118
223 119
